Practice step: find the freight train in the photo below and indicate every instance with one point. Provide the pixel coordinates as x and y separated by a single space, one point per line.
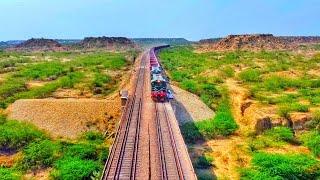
159 89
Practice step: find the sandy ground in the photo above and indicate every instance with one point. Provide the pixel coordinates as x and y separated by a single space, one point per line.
67 118
188 107
229 154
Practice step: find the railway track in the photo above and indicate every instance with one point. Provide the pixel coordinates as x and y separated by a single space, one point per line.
146 145
170 161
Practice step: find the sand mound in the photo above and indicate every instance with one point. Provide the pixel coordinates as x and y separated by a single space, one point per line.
67 117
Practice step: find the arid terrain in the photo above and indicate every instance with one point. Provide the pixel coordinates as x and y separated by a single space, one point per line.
248 106
264 91
62 102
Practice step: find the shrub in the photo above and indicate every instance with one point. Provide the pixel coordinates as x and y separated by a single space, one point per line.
275 83
93 136
179 75
204 162
3 119
228 71
74 169
190 132
43 70
15 135
39 155
101 79
41 92
9 174
285 109
11 86
282 166
81 151
189 85
312 141
108 60
280 134
222 124
315 123
250 75
274 137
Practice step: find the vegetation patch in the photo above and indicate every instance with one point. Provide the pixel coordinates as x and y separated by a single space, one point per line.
9 174
39 155
250 75
282 166
274 137
15 135
312 141
74 168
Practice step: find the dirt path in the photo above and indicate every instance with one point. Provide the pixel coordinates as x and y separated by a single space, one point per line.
230 153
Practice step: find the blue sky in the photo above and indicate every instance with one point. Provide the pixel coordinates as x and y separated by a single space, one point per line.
191 19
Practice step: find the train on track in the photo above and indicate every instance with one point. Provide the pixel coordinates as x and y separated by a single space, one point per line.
159 88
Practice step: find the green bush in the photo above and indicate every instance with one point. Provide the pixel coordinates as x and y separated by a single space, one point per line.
9 174
107 59
81 151
15 135
312 141
180 75
222 124
94 136
280 134
250 75
315 123
67 81
74 169
190 85
101 79
228 71
203 162
285 109
3 119
282 166
38 155
275 137
43 70
190 132
11 86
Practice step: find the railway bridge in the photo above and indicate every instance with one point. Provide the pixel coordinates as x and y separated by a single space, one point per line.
148 143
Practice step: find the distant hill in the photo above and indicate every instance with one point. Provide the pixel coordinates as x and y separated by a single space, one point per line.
68 41
11 43
301 39
38 44
211 40
147 42
248 42
108 43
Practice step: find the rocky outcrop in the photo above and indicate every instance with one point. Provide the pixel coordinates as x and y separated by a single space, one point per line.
109 43
301 39
38 45
250 42
300 121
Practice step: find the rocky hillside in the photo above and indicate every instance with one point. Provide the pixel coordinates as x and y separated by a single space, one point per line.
301 39
38 45
148 42
209 41
108 43
249 42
